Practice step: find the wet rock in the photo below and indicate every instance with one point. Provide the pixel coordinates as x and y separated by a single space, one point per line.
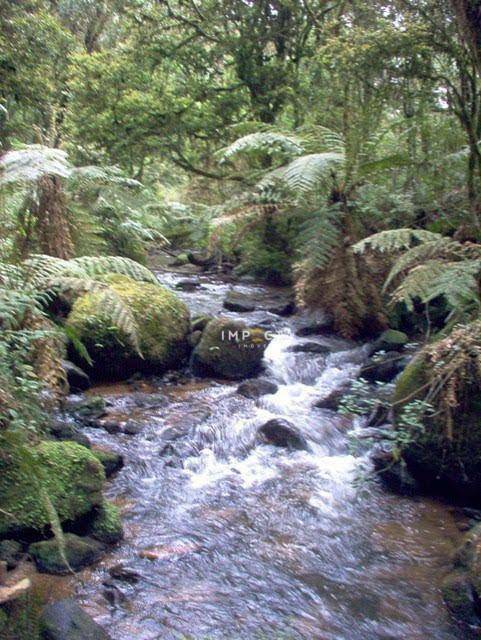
132 428
333 399
86 407
392 470
390 340
188 285
384 368
181 260
62 428
241 302
229 349
313 323
106 525
254 389
279 304
282 433
199 323
110 460
79 551
459 598
110 426
66 620
10 552
194 338
309 347
199 260
125 574
77 379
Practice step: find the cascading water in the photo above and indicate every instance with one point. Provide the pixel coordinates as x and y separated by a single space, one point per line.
233 539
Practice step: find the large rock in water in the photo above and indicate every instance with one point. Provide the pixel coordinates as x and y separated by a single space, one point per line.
229 349
282 433
71 475
65 620
79 552
444 457
163 325
461 588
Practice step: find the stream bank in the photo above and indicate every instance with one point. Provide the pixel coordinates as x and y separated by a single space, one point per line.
228 536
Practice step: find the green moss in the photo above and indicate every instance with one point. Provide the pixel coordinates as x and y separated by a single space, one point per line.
71 475
230 349
110 460
3 620
163 321
107 524
80 552
410 383
458 597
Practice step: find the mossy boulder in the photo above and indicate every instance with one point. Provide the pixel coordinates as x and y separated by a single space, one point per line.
462 587
443 462
229 349
110 460
163 323
79 552
106 525
70 473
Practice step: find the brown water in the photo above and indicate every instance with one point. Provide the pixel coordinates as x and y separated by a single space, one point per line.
235 540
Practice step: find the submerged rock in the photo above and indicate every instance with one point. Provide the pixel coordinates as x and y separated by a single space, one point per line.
229 349
79 552
280 304
66 620
72 476
163 325
309 347
282 433
256 388
333 399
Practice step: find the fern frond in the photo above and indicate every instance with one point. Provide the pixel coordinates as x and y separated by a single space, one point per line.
39 269
318 238
394 240
442 247
457 282
306 173
31 163
93 266
262 142
100 176
109 301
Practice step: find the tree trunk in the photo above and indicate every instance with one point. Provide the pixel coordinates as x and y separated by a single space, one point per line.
50 211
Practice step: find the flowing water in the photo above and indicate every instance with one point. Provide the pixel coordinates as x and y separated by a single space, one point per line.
231 539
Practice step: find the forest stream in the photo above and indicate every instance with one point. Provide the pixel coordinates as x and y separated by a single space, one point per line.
227 538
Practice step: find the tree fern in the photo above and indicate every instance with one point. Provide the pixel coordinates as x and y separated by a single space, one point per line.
318 238
441 247
94 266
263 142
395 240
306 173
32 163
457 282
